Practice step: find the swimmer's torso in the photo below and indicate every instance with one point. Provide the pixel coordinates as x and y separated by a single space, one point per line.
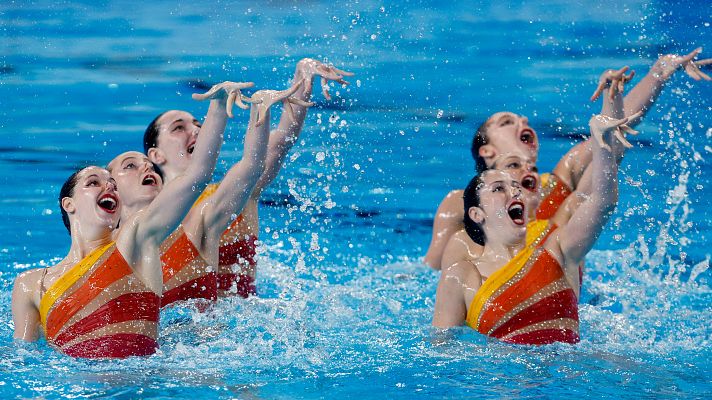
100 309
527 301
186 274
236 273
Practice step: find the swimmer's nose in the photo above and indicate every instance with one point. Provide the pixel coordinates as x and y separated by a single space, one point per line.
147 166
111 185
515 191
524 121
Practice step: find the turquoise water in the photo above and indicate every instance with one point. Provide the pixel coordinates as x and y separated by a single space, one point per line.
344 302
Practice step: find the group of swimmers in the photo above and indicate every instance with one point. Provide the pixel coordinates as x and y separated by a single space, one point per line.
511 245
149 230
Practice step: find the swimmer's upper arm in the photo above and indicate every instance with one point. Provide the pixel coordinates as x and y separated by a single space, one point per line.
448 220
450 308
573 164
25 314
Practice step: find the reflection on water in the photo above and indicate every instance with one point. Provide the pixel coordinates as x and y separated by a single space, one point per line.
344 303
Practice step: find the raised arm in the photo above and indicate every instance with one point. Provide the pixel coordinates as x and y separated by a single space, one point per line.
572 166
238 183
643 95
578 236
292 120
173 202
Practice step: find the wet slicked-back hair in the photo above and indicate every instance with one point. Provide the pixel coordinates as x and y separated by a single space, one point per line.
150 139
67 190
471 198
150 136
479 140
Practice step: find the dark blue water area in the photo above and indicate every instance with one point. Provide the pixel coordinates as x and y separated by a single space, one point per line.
344 301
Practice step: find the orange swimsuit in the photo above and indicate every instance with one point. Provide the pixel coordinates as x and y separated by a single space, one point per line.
237 255
186 275
101 309
528 301
554 192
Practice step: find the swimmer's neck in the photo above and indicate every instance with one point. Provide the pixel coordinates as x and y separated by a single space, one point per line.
128 211
83 244
502 251
171 172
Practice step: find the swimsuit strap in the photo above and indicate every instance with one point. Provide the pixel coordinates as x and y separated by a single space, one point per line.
43 289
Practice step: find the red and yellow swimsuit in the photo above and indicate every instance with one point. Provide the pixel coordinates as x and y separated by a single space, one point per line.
101 309
236 265
528 301
553 192
186 274
237 261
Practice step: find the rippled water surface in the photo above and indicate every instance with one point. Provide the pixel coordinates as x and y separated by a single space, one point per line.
344 301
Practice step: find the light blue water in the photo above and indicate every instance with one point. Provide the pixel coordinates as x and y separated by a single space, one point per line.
344 302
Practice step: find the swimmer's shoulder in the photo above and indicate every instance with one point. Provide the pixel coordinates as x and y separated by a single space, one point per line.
462 273
460 248
452 203
27 286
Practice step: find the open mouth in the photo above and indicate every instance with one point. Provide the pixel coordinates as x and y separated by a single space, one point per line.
530 183
516 212
190 148
527 136
108 203
149 180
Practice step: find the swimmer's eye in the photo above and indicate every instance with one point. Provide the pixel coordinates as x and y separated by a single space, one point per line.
498 188
93 182
130 166
178 128
506 121
514 165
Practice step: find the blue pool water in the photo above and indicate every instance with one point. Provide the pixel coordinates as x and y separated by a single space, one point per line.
345 302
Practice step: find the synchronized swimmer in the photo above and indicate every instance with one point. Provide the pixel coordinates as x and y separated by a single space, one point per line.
151 231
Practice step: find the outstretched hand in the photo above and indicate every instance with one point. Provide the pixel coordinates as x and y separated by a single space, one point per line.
310 67
615 80
669 63
264 99
228 91
602 125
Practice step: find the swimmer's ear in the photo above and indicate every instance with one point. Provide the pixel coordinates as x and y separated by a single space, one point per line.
476 214
68 205
156 156
487 151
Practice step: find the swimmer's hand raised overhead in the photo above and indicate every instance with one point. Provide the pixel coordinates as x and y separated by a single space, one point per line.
669 63
614 80
229 92
264 99
602 125
310 67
